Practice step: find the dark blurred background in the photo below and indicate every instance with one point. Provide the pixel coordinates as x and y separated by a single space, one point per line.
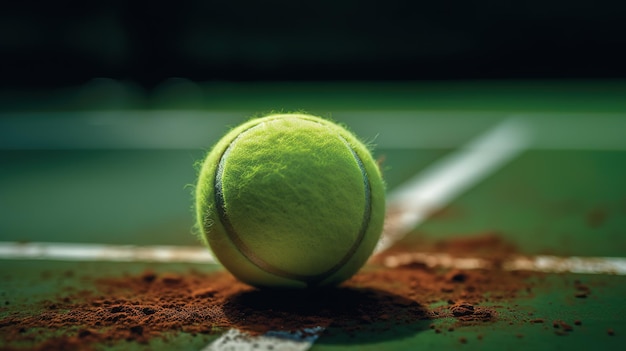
65 43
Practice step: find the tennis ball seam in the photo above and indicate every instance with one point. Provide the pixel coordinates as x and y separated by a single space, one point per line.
310 280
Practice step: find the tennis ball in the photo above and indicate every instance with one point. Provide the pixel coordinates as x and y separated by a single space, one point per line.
290 200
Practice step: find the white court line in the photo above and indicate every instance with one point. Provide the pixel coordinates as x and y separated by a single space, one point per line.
104 252
546 264
411 203
200 255
235 340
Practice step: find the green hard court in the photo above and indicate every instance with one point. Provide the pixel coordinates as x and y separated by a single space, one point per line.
108 164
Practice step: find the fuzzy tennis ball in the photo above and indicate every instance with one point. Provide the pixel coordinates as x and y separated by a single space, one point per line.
290 200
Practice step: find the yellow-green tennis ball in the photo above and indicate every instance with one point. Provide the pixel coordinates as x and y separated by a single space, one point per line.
290 200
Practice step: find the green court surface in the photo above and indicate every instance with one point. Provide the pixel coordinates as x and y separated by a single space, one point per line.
108 164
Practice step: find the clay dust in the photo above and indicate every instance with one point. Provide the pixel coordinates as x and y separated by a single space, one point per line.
377 300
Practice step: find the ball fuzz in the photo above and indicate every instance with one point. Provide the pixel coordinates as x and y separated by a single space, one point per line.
290 200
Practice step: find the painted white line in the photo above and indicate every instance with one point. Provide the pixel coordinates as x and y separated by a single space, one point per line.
546 264
236 340
200 255
442 260
103 252
579 265
411 203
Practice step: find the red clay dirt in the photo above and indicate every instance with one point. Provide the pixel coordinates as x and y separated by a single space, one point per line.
378 299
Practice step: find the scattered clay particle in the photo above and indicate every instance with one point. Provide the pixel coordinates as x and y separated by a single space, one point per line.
171 279
578 322
463 340
582 290
456 276
137 329
519 336
85 333
610 331
480 315
447 289
562 325
204 293
462 309
537 320
148 276
565 326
